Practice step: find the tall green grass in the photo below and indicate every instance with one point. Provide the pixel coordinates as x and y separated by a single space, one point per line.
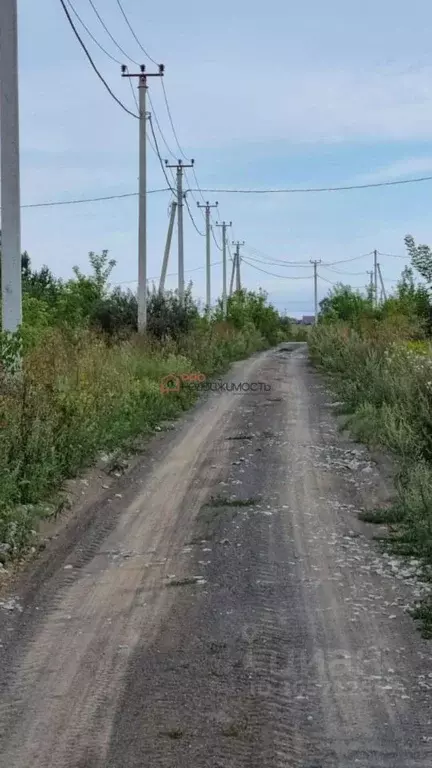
78 396
385 384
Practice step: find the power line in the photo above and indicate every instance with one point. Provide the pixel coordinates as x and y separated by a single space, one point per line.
285 277
92 199
83 24
109 33
279 263
129 79
159 155
345 261
159 127
120 103
393 255
171 120
171 274
315 189
191 217
135 37
215 241
343 272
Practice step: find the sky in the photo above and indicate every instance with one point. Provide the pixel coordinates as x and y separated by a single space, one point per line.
263 95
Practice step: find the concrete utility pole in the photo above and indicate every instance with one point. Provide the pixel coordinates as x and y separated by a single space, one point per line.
370 272
10 168
180 197
167 247
376 276
382 283
142 207
237 261
315 264
224 226
208 208
234 262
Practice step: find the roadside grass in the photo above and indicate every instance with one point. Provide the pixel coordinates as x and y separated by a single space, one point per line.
78 397
386 388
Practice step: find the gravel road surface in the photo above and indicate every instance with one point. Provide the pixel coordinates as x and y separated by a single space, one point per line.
221 605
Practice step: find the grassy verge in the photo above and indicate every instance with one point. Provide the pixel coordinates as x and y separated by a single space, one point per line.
79 396
386 390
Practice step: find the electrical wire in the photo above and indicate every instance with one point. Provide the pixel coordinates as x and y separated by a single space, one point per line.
285 277
278 263
345 261
159 127
219 247
133 92
90 34
191 217
159 155
101 78
281 262
342 272
393 255
171 119
91 199
135 37
172 274
316 189
110 35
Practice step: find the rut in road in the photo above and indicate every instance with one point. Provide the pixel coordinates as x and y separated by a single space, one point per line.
228 610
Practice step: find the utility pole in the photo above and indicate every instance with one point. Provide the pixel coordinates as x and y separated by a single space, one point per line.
224 226
10 168
234 262
180 197
237 260
167 247
142 206
315 264
370 272
376 276
382 283
208 208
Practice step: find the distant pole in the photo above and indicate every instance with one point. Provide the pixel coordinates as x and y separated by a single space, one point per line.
370 272
208 208
224 226
376 277
142 205
180 205
10 168
237 260
315 265
382 283
167 247
234 262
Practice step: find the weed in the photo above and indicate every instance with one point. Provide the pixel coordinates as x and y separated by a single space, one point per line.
187 581
173 733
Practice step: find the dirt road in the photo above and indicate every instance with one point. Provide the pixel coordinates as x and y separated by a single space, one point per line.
222 605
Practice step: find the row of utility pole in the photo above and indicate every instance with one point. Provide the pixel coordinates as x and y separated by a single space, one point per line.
11 208
177 207
10 187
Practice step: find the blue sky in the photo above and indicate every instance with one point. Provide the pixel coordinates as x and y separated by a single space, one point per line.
274 94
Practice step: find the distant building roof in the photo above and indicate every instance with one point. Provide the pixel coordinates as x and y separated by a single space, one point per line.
308 319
